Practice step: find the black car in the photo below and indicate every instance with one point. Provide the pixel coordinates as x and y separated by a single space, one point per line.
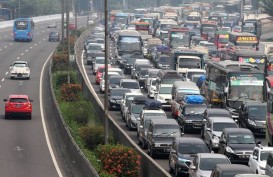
191 116
114 82
252 115
115 97
228 170
183 151
163 62
54 36
161 133
91 59
237 144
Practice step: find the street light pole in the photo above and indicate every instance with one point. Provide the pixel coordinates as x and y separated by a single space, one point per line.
68 39
62 8
19 9
106 126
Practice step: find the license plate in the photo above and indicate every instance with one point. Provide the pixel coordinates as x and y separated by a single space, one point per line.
18 106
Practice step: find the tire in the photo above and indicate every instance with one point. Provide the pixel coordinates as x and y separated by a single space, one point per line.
144 145
6 116
151 152
11 78
27 78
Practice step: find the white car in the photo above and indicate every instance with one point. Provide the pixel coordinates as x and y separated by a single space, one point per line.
164 94
20 70
52 24
99 61
131 84
102 81
257 160
151 87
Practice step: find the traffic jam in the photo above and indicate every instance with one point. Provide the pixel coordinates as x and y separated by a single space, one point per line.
193 82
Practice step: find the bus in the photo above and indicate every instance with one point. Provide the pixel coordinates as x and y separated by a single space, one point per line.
23 29
247 56
229 83
178 37
208 29
244 40
252 26
121 18
128 42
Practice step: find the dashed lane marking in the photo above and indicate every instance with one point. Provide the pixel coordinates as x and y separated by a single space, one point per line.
3 79
7 73
26 51
22 54
5 46
18 58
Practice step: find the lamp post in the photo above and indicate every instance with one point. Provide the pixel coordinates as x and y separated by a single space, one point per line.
62 8
19 9
106 31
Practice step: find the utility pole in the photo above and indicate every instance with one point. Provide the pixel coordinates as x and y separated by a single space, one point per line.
68 39
76 23
106 31
19 9
62 25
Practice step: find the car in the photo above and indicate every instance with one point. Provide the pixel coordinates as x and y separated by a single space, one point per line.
151 87
204 163
182 153
225 28
54 36
126 100
52 24
114 81
257 160
237 144
18 105
269 165
237 29
131 84
143 75
164 94
102 80
71 26
99 72
92 49
98 62
20 70
163 62
115 97
213 129
252 115
161 133
228 170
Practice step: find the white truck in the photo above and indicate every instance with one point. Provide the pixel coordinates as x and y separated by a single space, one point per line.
266 47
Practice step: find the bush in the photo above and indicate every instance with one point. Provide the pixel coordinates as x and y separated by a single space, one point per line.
93 136
60 78
59 62
105 174
119 160
70 92
81 115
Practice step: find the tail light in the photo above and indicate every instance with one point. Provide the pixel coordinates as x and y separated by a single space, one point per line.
176 113
28 34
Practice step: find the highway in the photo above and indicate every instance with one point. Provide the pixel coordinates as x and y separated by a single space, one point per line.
26 149
162 161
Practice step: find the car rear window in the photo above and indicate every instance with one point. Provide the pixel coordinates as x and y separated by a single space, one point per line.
18 100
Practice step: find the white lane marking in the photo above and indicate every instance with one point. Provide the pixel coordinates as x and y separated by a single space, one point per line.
40 42
0 49
44 39
30 47
26 51
0 86
22 54
10 43
18 58
7 73
43 121
5 46
3 79
89 83
35 44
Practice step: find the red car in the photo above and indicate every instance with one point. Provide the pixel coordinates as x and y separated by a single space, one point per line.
99 73
18 105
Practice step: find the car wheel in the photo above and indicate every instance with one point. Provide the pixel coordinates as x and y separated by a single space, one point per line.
27 78
151 152
29 117
210 146
202 134
6 116
11 78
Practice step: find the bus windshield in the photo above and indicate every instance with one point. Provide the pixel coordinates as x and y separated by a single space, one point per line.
21 25
249 86
189 63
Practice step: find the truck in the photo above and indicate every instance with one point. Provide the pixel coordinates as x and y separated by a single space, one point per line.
221 39
266 47
184 59
208 29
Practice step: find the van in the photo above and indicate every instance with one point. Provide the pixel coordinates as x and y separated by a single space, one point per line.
167 77
163 94
269 165
181 88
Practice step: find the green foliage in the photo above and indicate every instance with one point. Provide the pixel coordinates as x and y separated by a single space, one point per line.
70 92
268 6
60 78
93 136
119 160
105 174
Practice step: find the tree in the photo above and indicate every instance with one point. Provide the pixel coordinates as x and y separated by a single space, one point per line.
267 5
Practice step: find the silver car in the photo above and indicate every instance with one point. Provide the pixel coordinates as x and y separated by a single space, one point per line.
127 97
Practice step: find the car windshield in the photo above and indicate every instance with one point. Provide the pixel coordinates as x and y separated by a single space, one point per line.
130 85
153 74
264 155
195 109
257 112
100 41
241 139
184 148
94 47
164 60
119 92
165 90
18 100
20 65
167 129
131 61
100 61
144 72
208 164
115 80
219 126
137 108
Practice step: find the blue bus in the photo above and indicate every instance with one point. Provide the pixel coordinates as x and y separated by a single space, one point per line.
23 29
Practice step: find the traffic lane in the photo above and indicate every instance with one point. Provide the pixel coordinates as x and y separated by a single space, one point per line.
25 150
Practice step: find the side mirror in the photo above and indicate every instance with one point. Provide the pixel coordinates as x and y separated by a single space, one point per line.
255 157
5 100
139 119
192 167
222 141
208 129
